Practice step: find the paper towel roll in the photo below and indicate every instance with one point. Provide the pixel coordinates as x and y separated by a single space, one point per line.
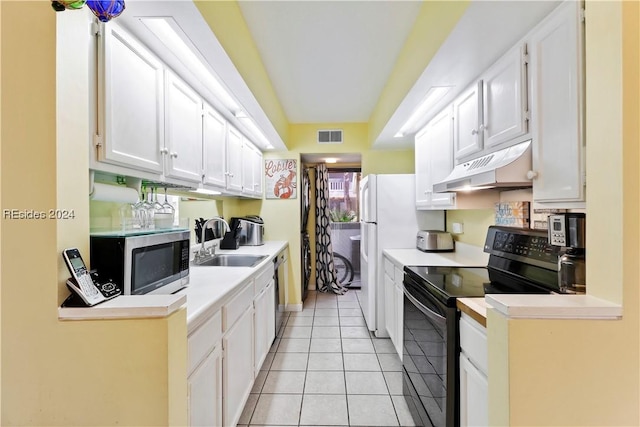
113 193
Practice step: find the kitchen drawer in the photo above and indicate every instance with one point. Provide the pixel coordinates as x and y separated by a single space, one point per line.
473 342
389 268
203 340
237 306
262 279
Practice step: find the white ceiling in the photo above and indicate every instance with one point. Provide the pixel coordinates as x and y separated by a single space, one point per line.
328 61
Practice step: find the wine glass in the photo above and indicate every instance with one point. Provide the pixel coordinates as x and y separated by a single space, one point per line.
149 209
140 212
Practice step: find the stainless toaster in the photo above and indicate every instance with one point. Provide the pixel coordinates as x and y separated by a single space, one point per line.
434 241
252 231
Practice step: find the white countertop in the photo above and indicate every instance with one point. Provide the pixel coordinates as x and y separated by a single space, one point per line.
209 288
553 306
464 256
521 306
126 307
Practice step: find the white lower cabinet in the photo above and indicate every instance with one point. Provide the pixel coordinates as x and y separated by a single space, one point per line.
227 351
394 299
205 373
474 381
205 391
238 369
399 311
265 324
390 306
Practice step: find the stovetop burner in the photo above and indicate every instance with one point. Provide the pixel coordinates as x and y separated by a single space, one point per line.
449 283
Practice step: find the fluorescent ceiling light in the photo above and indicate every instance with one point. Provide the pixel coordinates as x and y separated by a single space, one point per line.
434 95
331 160
255 131
168 31
206 191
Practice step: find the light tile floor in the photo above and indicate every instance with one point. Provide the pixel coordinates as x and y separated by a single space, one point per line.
327 369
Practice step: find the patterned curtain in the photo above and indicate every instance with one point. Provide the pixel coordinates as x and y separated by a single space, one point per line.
326 280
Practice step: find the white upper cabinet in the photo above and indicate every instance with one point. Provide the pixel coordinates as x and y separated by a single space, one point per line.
214 146
132 102
251 169
234 160
493 112
183 118
504 98
557 101
467 113
434 161
152 125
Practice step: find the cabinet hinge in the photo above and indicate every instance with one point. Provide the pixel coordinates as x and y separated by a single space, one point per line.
97 140
583 15
95 29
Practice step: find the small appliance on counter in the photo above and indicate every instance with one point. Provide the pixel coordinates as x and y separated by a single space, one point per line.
434 241
215 230
252 232
145 263
568 231
231 239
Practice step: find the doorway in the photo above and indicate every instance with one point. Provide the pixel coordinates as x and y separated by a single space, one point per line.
344 181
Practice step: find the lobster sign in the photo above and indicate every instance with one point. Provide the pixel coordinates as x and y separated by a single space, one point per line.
280 178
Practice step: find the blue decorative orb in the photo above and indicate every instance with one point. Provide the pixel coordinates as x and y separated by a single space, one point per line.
106 9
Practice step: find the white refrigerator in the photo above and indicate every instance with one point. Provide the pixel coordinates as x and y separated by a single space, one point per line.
389 220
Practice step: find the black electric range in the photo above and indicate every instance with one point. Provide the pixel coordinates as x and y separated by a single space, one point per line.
521 261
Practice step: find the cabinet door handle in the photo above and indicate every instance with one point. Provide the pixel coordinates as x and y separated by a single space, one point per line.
474 132
164 150
483 127
532 175
174 155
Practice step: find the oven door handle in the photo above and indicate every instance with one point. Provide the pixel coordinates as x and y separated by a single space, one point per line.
422 307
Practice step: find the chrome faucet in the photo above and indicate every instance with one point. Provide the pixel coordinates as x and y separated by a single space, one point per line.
203 252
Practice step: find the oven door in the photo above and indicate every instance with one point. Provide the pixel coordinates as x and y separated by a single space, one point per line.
426 354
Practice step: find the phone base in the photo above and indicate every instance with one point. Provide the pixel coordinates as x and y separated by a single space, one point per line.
73 300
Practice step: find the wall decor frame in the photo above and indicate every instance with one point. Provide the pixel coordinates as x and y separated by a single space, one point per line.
281 178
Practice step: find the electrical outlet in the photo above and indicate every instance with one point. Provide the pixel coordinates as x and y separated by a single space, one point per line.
457 228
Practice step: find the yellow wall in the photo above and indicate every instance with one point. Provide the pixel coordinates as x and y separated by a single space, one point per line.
591 367
65 373
226 20
433 24
282 217
474 222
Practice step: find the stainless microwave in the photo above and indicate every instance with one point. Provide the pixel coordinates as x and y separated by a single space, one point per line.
145 263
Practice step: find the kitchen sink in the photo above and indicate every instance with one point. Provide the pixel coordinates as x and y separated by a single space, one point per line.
232 260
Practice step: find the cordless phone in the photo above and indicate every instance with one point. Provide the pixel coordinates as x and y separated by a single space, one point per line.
82 284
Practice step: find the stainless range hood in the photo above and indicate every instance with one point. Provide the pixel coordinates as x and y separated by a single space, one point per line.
509 168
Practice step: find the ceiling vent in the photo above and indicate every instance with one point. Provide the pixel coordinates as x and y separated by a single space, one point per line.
330 136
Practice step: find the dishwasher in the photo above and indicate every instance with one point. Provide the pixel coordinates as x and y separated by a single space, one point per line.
279 276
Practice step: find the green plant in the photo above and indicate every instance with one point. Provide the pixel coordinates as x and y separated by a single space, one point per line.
338 215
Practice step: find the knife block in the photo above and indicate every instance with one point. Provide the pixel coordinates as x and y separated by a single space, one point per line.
229 241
